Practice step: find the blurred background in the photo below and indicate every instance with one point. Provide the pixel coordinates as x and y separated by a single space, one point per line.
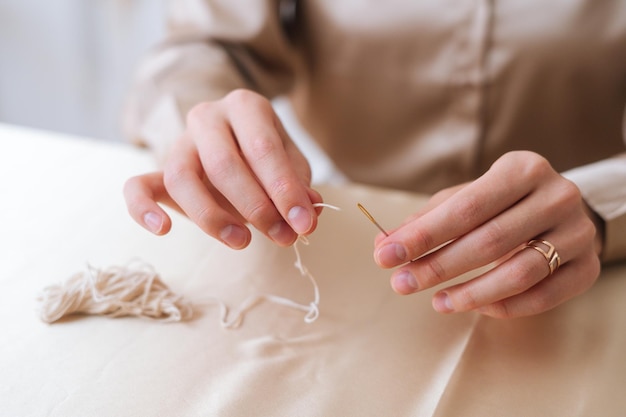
65 65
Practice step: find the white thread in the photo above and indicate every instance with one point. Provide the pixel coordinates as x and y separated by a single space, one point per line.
137 290
330 206
311 310
131 290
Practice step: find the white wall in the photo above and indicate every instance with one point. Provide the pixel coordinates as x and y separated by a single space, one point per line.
65 64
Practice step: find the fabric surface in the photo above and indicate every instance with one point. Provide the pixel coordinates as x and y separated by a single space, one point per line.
370 353
417 95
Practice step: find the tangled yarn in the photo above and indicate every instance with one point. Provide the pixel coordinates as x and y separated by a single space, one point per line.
137 290
132 290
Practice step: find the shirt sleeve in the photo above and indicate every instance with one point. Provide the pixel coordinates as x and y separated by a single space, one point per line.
212 47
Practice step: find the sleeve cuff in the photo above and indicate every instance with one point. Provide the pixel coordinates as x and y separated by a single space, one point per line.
603 186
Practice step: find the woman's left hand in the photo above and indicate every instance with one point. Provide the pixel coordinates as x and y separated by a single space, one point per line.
519 199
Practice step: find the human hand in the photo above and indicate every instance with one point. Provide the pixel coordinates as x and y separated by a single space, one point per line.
234 164
520 198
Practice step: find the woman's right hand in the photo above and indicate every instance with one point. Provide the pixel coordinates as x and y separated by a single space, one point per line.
234 164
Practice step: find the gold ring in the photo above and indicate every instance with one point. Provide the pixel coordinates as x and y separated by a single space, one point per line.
551 255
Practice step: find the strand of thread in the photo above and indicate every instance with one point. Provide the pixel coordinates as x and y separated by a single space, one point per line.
311 310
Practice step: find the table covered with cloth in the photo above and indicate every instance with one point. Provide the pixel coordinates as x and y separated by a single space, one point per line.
371 352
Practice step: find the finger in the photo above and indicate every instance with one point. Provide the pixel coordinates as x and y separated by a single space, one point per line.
301 167
141 194
434 201
183 181
299 162
514 276
269 154
464 211
495 241
489 242
315 198
517 274
231 176
570 280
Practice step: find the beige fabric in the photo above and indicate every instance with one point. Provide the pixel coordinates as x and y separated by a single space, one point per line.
416 95
370 353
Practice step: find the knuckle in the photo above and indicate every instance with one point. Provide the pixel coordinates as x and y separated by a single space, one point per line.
421 241
199 112
530 166
500 310
281 187
205 217
262 147
568 194
493 240
220 164
469 210
434 273
243 97
535 167
174 174
258 212
465 299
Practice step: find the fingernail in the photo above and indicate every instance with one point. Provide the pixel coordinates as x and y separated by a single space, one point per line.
404 282
300 219
391 254
442 303
281 233
153 221
234 236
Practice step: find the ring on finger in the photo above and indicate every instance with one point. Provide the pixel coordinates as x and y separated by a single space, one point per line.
548 251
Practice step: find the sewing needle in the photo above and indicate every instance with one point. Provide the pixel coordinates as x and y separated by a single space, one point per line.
371 218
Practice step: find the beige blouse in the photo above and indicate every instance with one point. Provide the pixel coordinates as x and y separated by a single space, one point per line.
415 95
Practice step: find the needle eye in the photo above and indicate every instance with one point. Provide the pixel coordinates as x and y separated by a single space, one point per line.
371 218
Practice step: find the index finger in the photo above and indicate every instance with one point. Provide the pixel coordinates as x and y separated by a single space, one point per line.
273 159
462 212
